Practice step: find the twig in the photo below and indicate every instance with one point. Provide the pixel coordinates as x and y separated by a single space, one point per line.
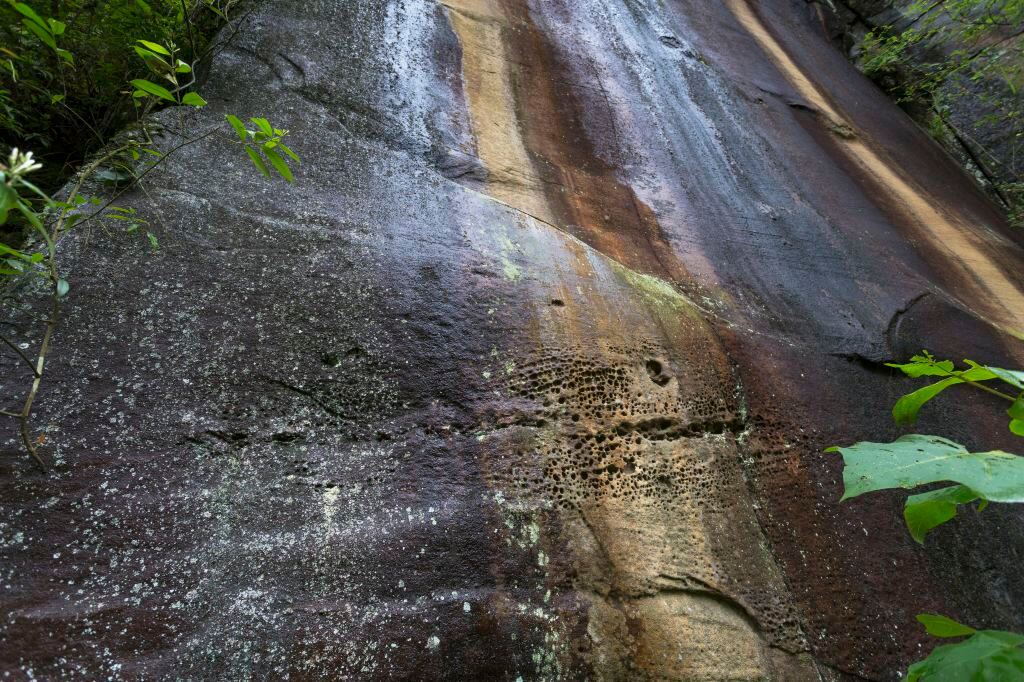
19 352
138 179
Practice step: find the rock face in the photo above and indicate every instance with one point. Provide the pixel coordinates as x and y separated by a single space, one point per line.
527 376
975 103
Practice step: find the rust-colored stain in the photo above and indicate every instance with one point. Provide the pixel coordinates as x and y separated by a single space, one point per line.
530 135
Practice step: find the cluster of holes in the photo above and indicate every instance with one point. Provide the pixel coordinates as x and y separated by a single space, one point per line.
633 426
611 413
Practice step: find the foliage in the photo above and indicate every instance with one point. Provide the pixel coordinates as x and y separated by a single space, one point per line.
987 65
915 460
266 140
122 164
64 100
906 408
984 655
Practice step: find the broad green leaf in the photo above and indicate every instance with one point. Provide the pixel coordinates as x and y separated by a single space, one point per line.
66 56
54 99
155 47
240 130
152 60
925 511
257 161
264 125
985 655
153 89
182 67
279 164
1017 427
915 460
942 626
192 99
62 288
56 27
1016 410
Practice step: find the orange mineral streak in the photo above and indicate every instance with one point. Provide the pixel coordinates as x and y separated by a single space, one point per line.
616 350
529 135
966 248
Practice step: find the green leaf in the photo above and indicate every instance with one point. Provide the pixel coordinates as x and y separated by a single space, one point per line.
62 288
153 89
1017 427
257 161
941 626
264 125
152 60
42 33
985 655
8 200
66 56
924 365
926 511
54 99
240 130
182 67
153 243
279 164
4 249
56 27
1016 410
906 408
289 152
30 14
192 99
155 47
1013 377
915 460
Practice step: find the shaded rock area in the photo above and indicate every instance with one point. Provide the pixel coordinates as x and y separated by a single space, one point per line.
528 375
973 126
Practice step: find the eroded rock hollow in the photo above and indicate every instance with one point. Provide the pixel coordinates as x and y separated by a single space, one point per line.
528 376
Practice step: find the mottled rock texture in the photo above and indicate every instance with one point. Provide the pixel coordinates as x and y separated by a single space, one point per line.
529 374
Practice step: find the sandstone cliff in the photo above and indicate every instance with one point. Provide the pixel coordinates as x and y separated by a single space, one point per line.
527 377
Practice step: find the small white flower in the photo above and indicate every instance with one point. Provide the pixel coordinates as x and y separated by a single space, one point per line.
21 164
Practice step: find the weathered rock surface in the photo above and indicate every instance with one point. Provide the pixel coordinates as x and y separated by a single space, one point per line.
975 103
529 374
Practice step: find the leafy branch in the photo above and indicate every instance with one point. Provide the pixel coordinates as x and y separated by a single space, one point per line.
916 460
263 144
